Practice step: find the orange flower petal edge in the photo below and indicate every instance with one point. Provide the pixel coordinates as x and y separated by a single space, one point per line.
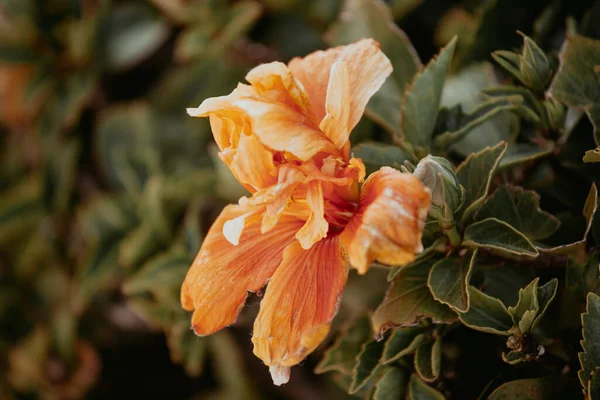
301 300
285 138
389 222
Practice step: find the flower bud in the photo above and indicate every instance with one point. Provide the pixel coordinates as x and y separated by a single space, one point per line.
437 174
556 113
534 66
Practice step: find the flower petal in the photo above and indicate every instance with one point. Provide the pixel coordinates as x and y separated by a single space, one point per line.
335 122
283 128
388 224
277 197
227 122
301 300
251 163
316 226
216 285
276 79
367 69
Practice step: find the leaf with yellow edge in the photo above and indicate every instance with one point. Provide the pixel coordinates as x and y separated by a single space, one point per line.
475 175
422 100
592 155
576 83
341 356
409 299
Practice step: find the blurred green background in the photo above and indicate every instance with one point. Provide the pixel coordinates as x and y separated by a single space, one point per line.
107 186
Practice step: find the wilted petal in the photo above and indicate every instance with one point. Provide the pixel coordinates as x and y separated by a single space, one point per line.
300 302
367 69
279 374
389 222
216 285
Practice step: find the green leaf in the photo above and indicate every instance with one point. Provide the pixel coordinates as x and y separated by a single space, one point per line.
153 204
127 153
203 40
228 367
191 233
133 32
590 357
523 371
576 83
534 65
520 153
67 102
527 302
392 385
21 209
161 276
17 53
520 209
422 99
546 388
377 155
100 270
462 91
482 113
104 218
372 19
158 315
341 356
503 281
589 26
545 294
509 61
187 86
475 175
419 390
402 341
59 175
428 358
583 278
491 35
186 348
592 155
367 364
139 244
576 251
515 357
487 314
449 279
408 299
594 384
494 234
427 253
530 106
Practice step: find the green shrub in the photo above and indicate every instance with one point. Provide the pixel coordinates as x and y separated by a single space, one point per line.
107 188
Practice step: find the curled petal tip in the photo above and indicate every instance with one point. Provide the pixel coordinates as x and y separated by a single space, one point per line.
193 112
232 230
419 248
279 374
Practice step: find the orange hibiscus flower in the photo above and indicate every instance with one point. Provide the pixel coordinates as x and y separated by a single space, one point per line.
285 138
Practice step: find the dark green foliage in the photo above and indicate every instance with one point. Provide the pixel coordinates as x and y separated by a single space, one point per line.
107 189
